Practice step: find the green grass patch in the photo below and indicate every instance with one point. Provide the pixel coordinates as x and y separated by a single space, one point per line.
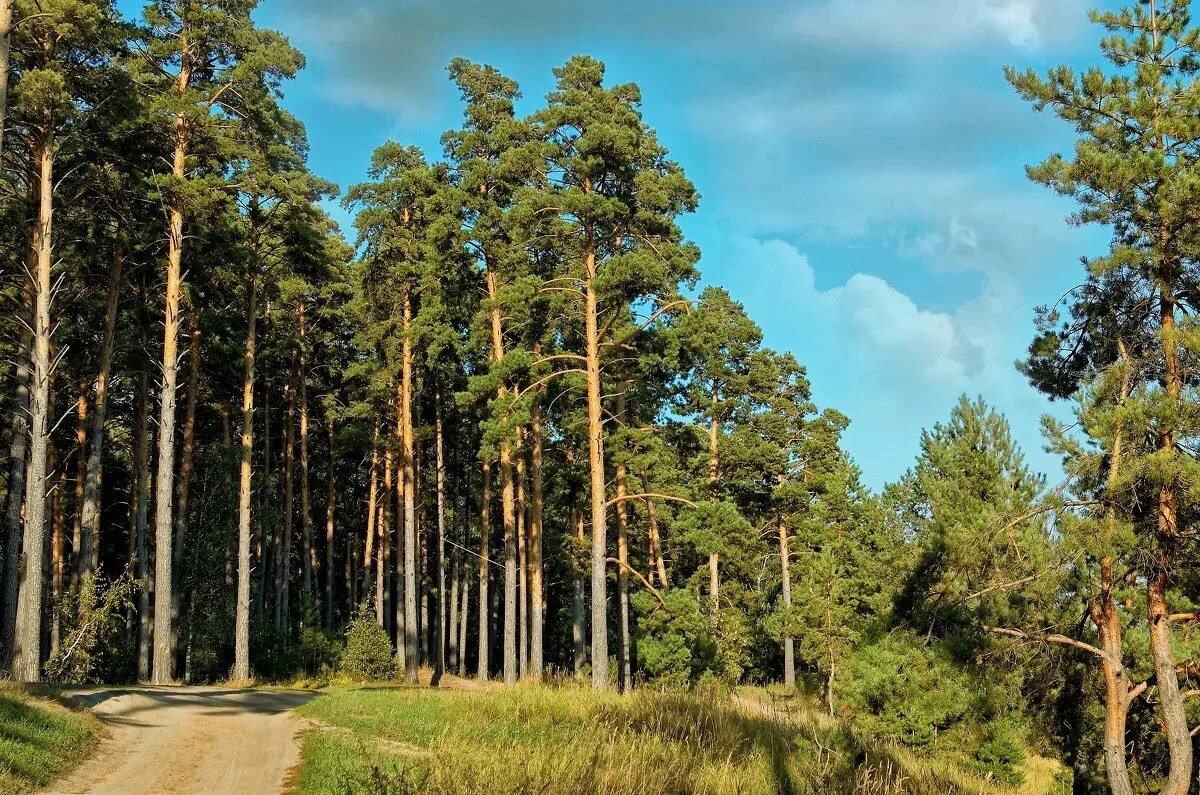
537 740
40 740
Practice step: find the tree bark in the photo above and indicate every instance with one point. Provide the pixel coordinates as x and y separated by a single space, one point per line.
185 472
309 561
1170 699
485 504
536 575
81 430
330 499
383 550
17 461
241 632
714 573
58 522
26 658
164 659
595 432
785 572
141 542
655 542
372 508
439 654
624 666
579 600
522 559
89 557
408 478
283 576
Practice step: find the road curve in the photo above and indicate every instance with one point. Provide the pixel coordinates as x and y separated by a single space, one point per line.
168 740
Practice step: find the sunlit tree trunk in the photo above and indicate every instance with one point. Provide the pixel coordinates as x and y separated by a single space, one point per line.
536 585
522 560
26 659
595 433
164 659
372 509
624 665
579 601
409 476
439 654
58 522
241 632
658 563
785 571
17 461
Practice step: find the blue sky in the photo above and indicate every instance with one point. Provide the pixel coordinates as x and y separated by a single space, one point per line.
861 164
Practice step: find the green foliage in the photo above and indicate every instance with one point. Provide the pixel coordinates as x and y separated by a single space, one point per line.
92 648
368 655
675 644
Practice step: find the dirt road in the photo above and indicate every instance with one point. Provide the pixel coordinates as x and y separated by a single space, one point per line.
189 740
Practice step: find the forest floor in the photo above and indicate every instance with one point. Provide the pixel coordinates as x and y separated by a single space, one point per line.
166 740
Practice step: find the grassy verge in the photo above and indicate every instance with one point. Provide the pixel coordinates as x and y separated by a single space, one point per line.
40 740
539 740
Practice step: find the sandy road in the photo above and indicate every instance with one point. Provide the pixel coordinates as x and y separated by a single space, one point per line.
189 740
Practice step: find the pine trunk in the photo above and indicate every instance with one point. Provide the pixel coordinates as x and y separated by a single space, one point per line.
17 465
26 658
595 432
187 459
372 508
241 632
164 659
283 569
485 504
5 44
409 477
330 499
522 561
141 518
89 557
536 575
81 430
440 630
785 572
579 600
309 561
655 541
624 666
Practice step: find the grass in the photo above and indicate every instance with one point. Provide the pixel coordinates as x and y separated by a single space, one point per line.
40 740
538 740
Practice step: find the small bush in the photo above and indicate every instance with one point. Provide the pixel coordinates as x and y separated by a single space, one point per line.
368 653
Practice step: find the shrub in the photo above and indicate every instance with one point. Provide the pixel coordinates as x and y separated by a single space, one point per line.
368 653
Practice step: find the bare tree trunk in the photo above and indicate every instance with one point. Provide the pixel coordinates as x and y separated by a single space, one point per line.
141 542
463 618
383 557
409 478
507 497
522 560
485 506
714 574
1170 699
789 655
536 585
330 499
185 473
372 508
81 430
57 541
17 460
241 632
309 562
579 603
26 658
283 576
439 654
624 665
658 563
164 659
89 557
595 432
